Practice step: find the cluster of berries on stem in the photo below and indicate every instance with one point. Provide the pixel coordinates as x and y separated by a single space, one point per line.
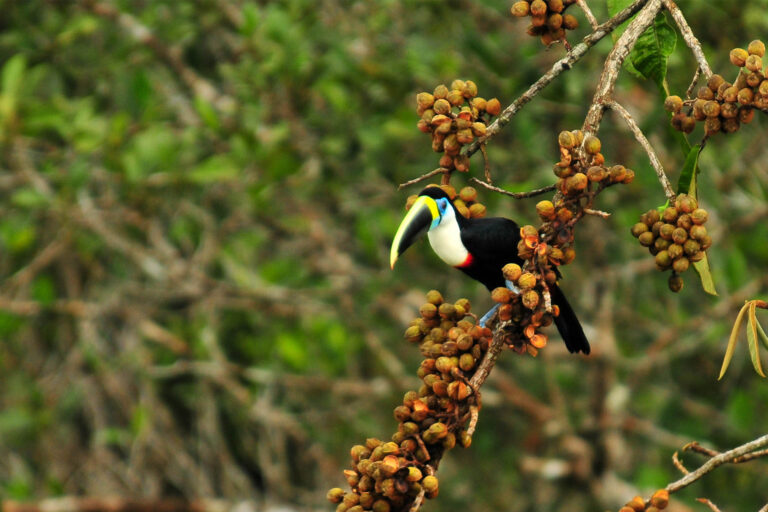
548 18
721 105
454 117
676 237
390 476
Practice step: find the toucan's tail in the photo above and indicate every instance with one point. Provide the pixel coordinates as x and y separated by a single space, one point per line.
567 323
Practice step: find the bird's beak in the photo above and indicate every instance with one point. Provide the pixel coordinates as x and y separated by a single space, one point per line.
422 216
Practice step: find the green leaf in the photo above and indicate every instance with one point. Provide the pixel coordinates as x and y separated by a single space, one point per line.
207 113
754 352
686 184
214 169
614 6
761 334
705 275
10 81
652 50
732 341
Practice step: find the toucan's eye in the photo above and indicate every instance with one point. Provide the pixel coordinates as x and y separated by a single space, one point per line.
442 205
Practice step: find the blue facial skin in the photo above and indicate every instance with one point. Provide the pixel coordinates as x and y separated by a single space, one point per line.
442 207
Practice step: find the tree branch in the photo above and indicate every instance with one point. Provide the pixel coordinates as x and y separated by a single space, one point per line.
620 51
557 68
688 37
588 13
638 133
724 458
516 195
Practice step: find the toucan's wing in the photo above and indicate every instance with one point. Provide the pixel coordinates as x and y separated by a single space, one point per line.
492 243
491 239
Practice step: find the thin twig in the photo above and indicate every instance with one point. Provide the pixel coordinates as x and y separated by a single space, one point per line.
516 195
678 464
418 501
487 163
598 213
663 179
423 177
474 415
557 68
696 447
750 456
694 81
588 13
723 458
708 503
689 38
613 64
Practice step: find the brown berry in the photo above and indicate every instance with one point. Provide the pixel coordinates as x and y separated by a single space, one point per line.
673 104
675 283
546 210
660 498
639 228
570 22
538 8
739 57
646 239
520 9
567 140
715 81
493 106
592 145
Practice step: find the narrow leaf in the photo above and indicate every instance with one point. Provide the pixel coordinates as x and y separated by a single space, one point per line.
761 334
732 341
754 352
687 180
705 275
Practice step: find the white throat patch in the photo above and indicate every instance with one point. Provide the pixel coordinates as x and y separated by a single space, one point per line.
445 240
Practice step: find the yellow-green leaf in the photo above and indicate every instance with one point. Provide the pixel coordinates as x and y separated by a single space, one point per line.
761 334
702 268
732 340
754 352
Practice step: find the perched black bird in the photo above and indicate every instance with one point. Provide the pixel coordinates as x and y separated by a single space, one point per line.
479 248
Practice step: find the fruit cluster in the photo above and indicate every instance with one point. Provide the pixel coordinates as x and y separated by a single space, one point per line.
465 201
454 117
582 164
658 501
526 309
548 18
388 476
581 172
676 237
722 106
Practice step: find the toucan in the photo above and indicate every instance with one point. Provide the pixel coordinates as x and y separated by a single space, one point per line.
479 248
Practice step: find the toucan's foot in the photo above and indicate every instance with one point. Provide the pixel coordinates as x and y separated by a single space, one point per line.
488 315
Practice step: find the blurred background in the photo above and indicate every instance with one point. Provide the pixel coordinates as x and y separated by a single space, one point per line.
196 203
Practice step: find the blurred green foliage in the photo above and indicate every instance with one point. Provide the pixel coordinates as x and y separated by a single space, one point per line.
196 202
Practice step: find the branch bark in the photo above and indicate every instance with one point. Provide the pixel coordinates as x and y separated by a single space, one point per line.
604 91
724 458
557 68
690 39
638 133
